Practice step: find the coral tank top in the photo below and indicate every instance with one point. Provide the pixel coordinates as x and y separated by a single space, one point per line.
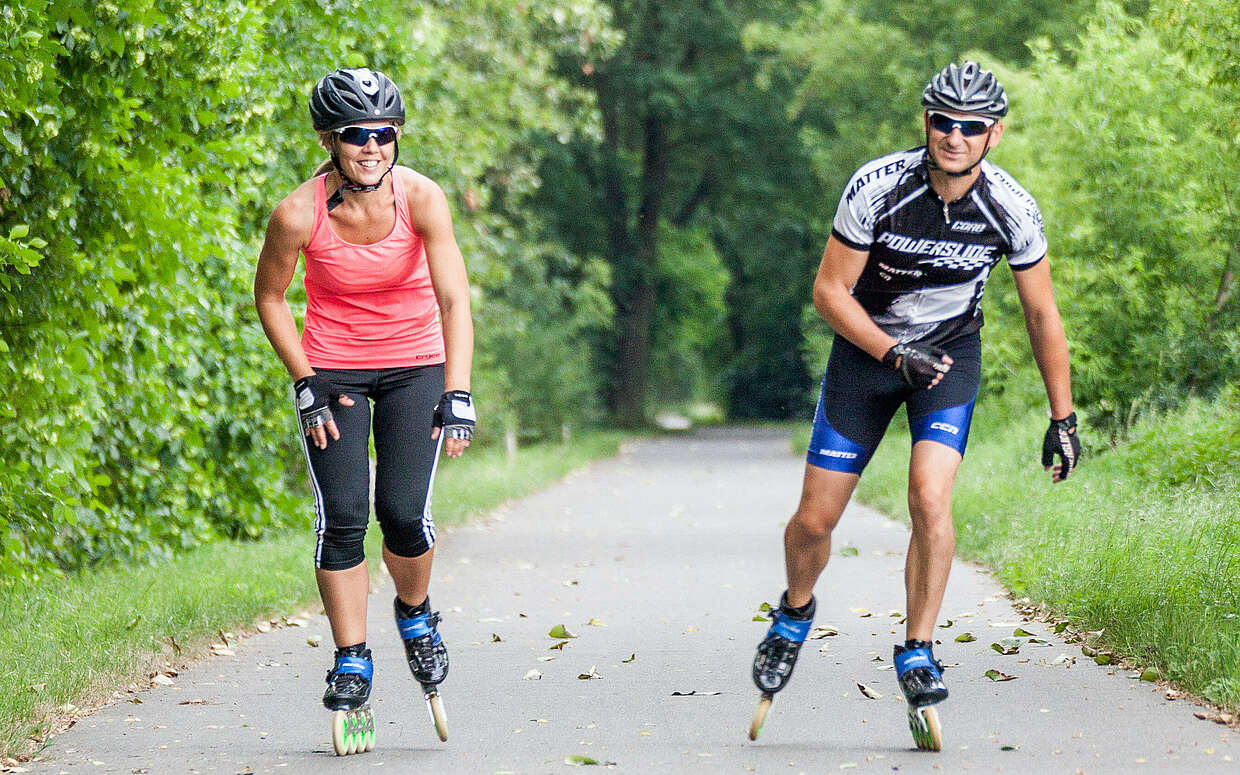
369 306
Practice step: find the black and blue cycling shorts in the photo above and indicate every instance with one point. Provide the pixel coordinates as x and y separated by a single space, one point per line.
860 395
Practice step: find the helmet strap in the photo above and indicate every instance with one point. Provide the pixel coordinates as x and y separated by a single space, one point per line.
348 184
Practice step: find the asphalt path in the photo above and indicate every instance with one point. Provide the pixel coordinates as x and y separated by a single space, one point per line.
657 560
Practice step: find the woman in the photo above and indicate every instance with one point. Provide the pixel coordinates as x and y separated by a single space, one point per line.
387 328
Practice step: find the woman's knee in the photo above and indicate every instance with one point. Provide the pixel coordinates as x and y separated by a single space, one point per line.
341 547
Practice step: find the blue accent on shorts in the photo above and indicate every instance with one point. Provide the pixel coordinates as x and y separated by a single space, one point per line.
860 395
948 426
795 630
914 658
416 628
355 666
832 450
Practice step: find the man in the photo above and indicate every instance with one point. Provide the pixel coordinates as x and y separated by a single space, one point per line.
913 242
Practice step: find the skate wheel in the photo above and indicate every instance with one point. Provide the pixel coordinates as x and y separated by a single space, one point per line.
340 725
924 724
434 704
759 715
366 734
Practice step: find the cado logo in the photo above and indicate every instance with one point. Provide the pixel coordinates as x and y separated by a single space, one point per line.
942 426
971 227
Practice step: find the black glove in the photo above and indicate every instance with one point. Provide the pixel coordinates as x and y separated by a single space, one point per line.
1060 439
918 364
455 414
313 396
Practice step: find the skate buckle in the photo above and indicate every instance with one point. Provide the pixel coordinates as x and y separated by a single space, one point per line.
348 665
416 627
795 630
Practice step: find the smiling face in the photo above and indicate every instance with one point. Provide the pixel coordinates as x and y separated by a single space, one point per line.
364 164
958 140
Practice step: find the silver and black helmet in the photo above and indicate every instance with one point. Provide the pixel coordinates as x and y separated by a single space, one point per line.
346 97
966 88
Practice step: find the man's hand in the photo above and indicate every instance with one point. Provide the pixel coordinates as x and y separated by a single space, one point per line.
1060 439
921 366
455 418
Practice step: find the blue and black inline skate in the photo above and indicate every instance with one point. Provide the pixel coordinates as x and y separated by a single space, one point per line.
777 655
921 677
348 695
427 655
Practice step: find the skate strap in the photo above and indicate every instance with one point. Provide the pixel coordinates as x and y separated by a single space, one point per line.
416 627
795 630
354 666
914 658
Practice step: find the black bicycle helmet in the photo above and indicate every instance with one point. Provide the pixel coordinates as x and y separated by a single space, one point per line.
966 88
346 97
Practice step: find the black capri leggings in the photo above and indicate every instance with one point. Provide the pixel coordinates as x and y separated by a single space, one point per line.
404 403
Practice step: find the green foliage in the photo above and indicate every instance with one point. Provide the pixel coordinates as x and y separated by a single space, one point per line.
142 142
1198 446
1142 245
689 326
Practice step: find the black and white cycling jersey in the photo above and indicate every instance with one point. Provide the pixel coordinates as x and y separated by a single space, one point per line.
929 260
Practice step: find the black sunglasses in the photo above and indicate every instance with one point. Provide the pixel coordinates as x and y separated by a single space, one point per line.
969 127
360 135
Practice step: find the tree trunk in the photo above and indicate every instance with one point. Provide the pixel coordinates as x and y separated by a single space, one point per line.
636 307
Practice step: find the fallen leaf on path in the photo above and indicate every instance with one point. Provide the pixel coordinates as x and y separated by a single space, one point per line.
825 631
557 646
760 618
577 760
495 638
595 623
592 674
1007 646
560 631
1021 632
314 640
632 657
995 675
532 675
1064 659
867 691
944 626
965 637
1102 659
695 693
1149 674
862 612
849 551
161 680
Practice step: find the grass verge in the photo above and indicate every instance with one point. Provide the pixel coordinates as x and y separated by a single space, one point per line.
1142 542
72 642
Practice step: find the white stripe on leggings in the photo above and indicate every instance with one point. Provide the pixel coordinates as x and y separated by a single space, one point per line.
428 521
320 519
